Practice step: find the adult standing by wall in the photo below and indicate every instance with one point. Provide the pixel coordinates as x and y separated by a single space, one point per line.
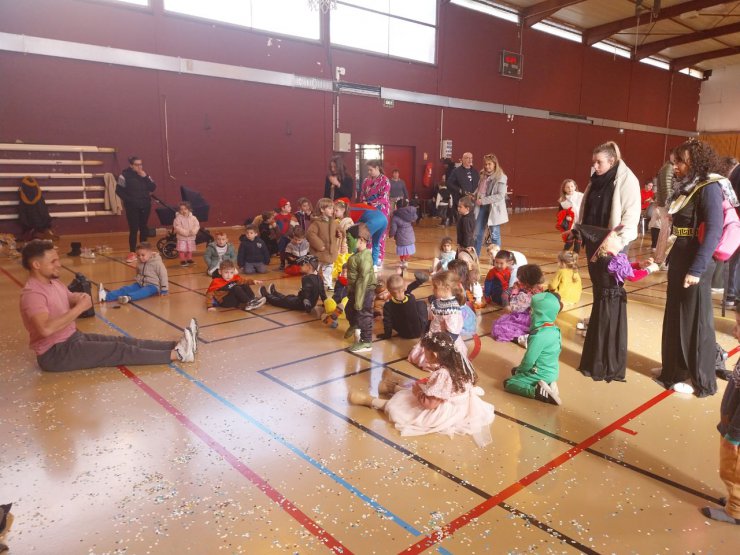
463 181
490 202
49 311
338 183
398 190
375 191
135 187
688 344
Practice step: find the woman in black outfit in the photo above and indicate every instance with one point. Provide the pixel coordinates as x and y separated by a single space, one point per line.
134 187
688 349
338 184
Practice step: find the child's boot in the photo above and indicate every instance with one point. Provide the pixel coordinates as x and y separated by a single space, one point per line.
360 398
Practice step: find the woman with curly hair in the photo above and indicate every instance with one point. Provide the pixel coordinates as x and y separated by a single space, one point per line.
688 347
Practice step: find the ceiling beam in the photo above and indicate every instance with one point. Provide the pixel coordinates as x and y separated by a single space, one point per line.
688 61
651 48
537 12
600 32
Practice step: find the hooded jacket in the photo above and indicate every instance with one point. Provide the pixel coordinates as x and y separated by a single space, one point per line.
401 229
543 346
211 255
152 272
133 189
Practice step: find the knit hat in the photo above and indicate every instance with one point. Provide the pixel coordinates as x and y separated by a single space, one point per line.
282 202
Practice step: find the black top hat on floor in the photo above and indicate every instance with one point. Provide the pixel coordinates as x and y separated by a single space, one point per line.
76 249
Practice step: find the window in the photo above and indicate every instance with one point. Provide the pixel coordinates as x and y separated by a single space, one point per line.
287 17
401 28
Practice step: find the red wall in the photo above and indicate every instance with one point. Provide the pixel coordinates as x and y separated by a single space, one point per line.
243 145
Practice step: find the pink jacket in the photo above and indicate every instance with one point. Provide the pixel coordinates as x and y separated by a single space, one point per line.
186 227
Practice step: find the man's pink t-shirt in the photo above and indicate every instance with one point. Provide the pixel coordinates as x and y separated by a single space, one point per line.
53 298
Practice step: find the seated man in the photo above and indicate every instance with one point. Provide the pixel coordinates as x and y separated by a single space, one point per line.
49 311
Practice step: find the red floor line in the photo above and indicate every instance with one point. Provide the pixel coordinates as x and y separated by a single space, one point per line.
627 431
503 495
285 504
11 276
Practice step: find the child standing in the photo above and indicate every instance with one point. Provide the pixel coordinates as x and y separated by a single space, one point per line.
445 256
186 227
361 292
296 248
514 326
567 281
446 402
604 355
465 223
445 315
537 374
403 313
230 290
344 222
497 279
305 213
312 289
729 444
403 232
253 256
216 252
151 279
321 237
442 204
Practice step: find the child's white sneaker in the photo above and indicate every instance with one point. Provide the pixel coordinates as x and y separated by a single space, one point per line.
102 293
184 347
682 387
124 299
194 331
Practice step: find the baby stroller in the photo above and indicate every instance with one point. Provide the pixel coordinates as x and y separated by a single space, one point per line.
167 245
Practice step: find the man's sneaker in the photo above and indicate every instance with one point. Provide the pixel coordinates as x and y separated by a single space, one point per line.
124 299
184 347
102 293
131 258
361 347
350 332
544 393
522 340
255 303
421 277
194 327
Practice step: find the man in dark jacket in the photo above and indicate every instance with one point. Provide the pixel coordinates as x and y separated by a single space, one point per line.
463 181
135 187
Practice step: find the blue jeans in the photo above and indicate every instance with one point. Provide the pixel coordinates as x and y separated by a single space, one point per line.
135 291
480 228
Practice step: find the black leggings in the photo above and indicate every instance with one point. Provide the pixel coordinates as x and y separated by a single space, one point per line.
137 218
239 295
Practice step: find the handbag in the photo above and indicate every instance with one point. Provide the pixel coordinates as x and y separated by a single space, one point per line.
730 239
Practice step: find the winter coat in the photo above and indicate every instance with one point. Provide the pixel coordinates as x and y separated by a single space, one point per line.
254 252
152 272
495 195
219 288
134 190
401 229
321 235
213 260
186 227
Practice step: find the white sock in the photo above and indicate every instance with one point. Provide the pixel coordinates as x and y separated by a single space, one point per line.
378 403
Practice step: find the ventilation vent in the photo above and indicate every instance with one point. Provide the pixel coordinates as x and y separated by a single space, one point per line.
576 118
355 88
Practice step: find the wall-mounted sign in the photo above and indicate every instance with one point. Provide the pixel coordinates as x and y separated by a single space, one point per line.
511 64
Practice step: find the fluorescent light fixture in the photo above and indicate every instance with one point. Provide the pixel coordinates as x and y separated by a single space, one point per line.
558 31
657 63
613 49
489 9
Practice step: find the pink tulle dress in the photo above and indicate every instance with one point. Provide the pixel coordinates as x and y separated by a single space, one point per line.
462 412
446 316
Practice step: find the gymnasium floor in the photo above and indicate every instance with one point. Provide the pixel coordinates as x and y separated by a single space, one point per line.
254 449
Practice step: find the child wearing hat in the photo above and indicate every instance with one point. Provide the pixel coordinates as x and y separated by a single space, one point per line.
312 288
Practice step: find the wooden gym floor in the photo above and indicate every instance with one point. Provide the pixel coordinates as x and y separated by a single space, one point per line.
254 449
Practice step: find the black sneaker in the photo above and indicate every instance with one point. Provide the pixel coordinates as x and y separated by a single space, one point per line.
272 289
255 303
263 291
307 305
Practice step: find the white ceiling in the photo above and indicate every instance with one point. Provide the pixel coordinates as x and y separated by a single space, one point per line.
703 34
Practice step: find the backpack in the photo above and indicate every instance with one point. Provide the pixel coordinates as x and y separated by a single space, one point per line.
80 284
730 239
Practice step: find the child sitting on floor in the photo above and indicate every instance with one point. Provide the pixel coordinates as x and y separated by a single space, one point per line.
296 248
514 326
230 290
312 289
254 256
216 252
151 279
567 280
446 402
403 313
445 256
537 374
268 231
497 279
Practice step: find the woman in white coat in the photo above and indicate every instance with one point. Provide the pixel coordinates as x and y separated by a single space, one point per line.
490 203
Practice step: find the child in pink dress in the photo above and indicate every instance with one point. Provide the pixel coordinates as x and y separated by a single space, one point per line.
445 402
445 315
515 324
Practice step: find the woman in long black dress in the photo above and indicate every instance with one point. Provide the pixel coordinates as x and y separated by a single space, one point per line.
688 347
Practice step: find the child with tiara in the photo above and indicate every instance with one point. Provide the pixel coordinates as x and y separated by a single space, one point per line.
446 402
514 326
604 355
445 315
445 256
567 281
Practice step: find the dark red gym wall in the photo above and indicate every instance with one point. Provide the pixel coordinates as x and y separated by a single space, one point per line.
243 145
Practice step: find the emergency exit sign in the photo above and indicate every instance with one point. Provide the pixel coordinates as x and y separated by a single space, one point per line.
511 64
